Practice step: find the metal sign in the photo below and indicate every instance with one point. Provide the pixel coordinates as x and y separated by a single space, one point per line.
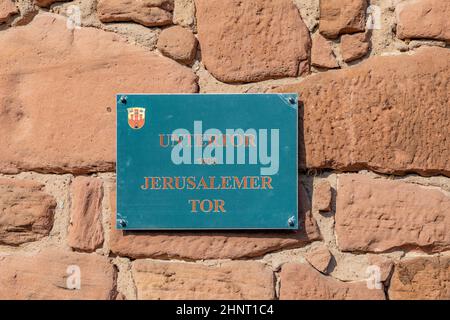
207 161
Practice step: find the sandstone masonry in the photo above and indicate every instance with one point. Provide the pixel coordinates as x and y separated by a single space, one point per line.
374 179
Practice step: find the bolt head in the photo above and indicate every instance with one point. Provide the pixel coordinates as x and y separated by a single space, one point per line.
122 222
292 100
291 221
123 99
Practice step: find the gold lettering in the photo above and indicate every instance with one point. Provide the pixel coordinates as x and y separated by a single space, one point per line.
156 183
240 184
167 183
225 183
207 183
193 204
266 181
219 205
191 183
145 186
202 184
202 205
206 205
178 184
161 140
254 183
211 182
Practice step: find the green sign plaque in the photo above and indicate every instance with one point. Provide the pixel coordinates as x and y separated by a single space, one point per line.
207 161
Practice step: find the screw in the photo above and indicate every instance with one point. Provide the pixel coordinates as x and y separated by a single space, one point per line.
122 222
291 221
292 100
123 99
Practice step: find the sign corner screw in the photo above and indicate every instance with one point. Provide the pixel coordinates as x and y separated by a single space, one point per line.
291 221
122 222
292 100
123 99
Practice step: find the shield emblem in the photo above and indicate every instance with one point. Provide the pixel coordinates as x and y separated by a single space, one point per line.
136 117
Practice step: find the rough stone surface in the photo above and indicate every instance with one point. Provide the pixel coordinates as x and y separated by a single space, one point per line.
319 258
26 212
354 46
322 196
47 3
301 281
322 55
385 264
343 16
309 10
377 215
421 278
85 10
149 13
60 125
212 245
423 19
7 9
46 275
243 41
369 116
386 111
178 43
184 13
135 33
28 10
85 229
354 266
233 280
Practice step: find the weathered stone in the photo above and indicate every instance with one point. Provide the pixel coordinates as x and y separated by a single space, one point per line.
149 13
322 196
322 55
232 280
85 229
352 266
368 116
301 281
7 9
421 278
120 296
135 33
343 16
47 3
414 44
429 19
309 10
242 42
50 275
62 125
319 258
26 212
212 245
179 44
82 13
28 10
354 46
378 215
385 265
184 13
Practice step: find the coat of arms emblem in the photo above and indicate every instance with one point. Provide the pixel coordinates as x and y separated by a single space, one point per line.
136 117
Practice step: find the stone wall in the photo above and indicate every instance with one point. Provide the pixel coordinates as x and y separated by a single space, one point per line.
373 78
